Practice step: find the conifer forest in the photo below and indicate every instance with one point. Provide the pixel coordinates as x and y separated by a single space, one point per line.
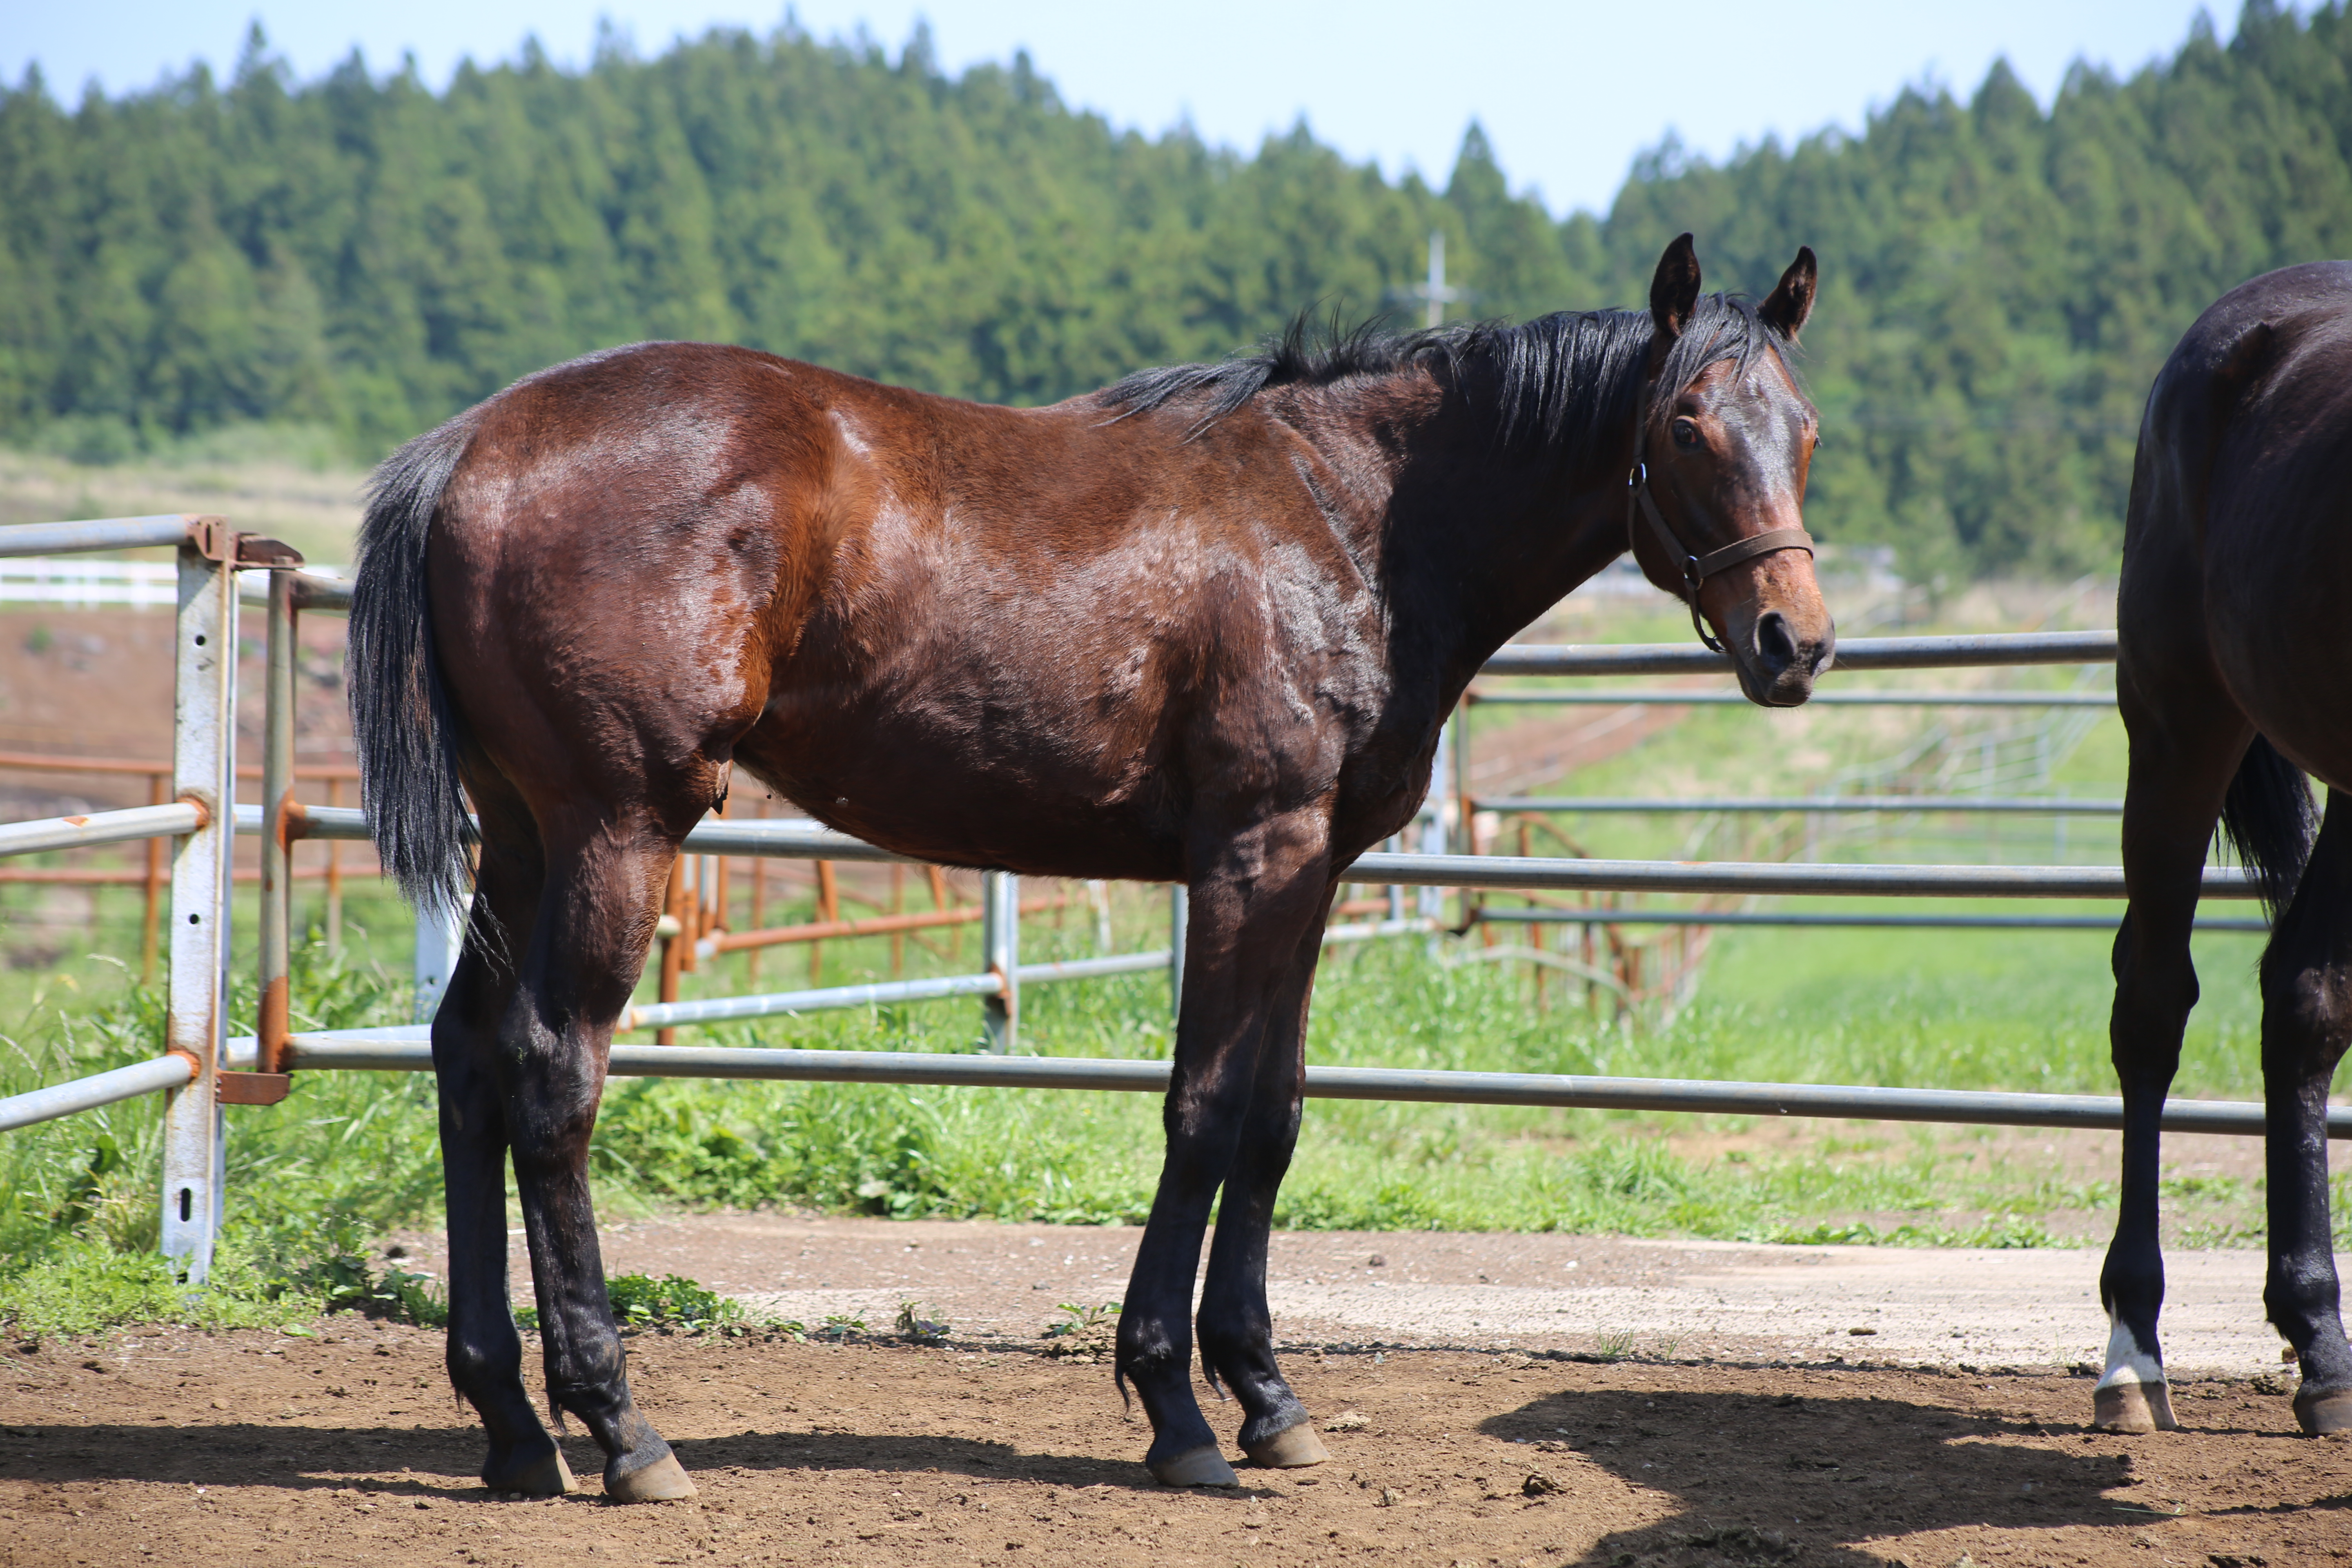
361 252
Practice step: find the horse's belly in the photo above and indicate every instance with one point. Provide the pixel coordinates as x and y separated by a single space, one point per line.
960 798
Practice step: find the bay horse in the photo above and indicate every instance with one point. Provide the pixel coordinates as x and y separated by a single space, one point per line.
1202 627
2235 680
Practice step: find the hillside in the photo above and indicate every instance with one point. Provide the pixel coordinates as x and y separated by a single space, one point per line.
364 254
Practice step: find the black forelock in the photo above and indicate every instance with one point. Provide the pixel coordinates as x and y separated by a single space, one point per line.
1561 380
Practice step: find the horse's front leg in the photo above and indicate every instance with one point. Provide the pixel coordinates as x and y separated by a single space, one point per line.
1236 1326
584 958
1258 896
2307 1024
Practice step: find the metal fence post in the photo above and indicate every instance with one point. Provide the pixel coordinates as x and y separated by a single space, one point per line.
277 810
1437 807
1000 903
203 770
440 938
1180 915
1466 830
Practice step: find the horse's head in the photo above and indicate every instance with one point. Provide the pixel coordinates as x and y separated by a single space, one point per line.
1716 492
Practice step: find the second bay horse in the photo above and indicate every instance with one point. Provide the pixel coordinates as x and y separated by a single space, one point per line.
1202 627
2235 681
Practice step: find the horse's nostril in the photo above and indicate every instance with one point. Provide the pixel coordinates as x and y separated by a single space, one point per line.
1776 650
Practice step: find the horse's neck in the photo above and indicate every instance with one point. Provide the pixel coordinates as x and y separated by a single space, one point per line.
1470 542
1480 552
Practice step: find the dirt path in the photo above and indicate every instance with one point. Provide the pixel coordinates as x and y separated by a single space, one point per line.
345 1448
1496 1291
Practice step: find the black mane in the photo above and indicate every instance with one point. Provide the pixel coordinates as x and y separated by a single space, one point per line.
1561 380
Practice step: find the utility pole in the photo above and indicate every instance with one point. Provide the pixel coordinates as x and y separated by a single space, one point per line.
1435 294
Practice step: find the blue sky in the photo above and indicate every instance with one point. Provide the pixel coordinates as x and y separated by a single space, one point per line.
1569 92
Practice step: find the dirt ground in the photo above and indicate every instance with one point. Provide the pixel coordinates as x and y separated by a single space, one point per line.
346 1448
2034 1308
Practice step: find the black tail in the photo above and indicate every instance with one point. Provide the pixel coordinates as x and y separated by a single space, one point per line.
2270 819
408 736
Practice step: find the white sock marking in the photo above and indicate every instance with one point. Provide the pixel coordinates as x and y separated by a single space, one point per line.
2126 1363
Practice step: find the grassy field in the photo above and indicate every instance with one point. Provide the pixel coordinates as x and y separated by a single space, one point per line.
295 483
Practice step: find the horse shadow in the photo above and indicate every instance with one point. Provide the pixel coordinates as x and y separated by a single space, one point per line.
434 1460
229 1454
815 1453
1764 1478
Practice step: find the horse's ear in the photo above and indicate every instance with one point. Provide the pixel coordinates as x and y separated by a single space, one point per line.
1674 292
1792 300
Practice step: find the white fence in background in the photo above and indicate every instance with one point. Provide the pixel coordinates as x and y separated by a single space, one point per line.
83 583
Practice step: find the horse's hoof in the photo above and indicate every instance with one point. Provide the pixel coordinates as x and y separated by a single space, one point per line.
1290 1449
1200 1467
2133 1407
2323 1412
547 1476
664 1480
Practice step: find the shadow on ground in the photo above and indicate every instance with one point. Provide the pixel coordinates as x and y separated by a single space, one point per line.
1763 1478
235 1454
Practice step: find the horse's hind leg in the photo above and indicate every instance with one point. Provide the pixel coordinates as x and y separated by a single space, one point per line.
485 1354
597 912
1235 1325
2183 753
2307 1024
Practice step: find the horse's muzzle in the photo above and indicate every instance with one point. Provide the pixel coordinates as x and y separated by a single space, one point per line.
1780 665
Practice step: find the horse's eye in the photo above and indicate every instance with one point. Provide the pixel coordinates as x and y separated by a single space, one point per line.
1685 434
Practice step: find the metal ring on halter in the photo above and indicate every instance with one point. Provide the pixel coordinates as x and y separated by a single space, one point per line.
1697 569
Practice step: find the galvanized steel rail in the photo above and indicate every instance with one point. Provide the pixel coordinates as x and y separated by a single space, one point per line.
1971 650
390 1050
1809 917
1667 696
96 533
2023 805
100 828
1753 877
794 841
99 1089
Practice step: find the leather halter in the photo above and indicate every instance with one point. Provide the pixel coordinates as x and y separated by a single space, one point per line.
1697 569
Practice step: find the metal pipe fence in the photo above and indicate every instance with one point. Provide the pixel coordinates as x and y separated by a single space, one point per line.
1986 650
1873 921
162 530
1776 804
166 1072
408 1050
124 826
203 1071
1667 696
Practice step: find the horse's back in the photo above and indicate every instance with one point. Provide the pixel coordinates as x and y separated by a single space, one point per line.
2238 548
849 587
